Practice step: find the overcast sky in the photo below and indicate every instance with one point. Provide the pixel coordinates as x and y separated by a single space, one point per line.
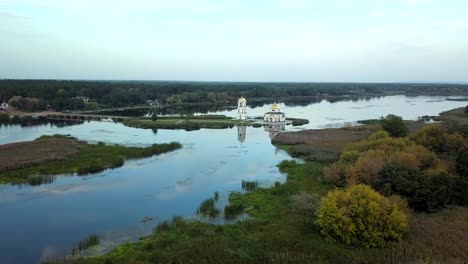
251 40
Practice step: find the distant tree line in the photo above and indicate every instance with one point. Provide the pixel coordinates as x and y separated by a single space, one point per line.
59 94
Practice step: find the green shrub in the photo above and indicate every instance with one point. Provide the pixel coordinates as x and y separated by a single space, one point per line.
461 187
359 216
394 125
424 191
462 163
431 137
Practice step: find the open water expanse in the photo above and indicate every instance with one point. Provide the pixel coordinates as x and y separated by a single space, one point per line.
39 222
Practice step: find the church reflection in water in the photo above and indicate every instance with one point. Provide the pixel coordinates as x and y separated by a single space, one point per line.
272 129
241 133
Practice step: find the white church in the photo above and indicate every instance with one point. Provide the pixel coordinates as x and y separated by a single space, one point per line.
242 108
273 116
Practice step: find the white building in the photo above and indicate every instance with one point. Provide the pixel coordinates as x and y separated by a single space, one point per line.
242 108
153 102
275 115
85 99
4 106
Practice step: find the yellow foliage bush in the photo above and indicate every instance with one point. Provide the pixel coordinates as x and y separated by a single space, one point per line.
359 216
361 162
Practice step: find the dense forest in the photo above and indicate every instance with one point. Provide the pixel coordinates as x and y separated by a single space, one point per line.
58 94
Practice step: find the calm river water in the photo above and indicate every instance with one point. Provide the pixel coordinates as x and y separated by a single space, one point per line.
40 222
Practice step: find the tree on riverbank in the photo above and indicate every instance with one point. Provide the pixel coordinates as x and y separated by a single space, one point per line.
58 93
394 125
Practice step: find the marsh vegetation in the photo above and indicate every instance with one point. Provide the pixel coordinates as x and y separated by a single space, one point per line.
208 207
91 241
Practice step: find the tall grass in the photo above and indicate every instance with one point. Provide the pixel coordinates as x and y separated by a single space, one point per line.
249 185
235 206
208 207
90 241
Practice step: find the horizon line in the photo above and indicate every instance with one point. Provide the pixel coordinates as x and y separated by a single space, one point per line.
217 81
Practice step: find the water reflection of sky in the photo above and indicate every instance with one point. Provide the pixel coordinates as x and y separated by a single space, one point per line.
59 214
47 220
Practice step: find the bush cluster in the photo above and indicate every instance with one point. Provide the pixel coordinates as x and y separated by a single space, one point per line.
407 167
359 216
437 139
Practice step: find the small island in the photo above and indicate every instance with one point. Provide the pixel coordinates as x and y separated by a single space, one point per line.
188 123
60 154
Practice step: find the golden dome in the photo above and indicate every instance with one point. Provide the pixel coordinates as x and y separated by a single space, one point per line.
242 99
275 107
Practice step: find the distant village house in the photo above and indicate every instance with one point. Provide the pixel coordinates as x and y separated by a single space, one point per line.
4 106
152 102
85 99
